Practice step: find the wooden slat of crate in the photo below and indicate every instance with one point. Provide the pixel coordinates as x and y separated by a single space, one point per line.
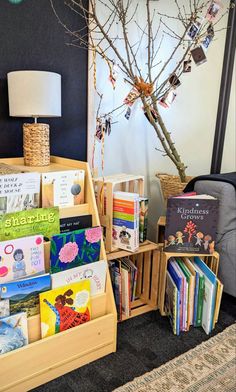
155 277
139 265
146 276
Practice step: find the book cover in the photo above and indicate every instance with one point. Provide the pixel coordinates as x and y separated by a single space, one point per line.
125 290
63 188
21 257
190 294
125 231
19 192
76 248
191 224
95 272
13 332
171 305
193 286
184 295
115 272
44 221
179 284
4 308
219 293
24 294
143 218
75 223
201 294
64 307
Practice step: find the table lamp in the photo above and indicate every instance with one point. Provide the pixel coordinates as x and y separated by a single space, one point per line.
35 94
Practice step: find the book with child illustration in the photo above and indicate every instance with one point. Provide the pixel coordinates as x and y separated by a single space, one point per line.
21 257
191 223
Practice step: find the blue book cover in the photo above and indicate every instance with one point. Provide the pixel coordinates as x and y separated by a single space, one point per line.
213 279
13 332
178 281
24 294
76 248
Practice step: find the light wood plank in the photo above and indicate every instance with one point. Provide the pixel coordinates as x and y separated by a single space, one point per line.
146 276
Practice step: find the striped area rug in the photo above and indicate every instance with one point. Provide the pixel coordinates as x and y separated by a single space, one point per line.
209 367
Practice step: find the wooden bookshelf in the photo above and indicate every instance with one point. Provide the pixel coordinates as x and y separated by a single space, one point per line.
147 260
45 359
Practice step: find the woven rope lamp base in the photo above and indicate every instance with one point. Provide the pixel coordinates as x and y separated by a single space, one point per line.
36 144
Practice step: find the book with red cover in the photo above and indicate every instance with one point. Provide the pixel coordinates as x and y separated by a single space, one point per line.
191 224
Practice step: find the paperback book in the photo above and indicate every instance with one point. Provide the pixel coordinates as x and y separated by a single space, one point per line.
94 272
63 188
115 272
13 332
65 307
21 257
44 221
172 302
24 294
125 231
191 224
19 192
76 248
143 218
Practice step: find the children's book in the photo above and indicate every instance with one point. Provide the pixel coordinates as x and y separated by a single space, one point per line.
95 272
115 272
24 294
63 188
75 223
21 257
19 192
143 218
76 248
190 295
193 289
172 302
125 231
179 284
44 221
13 332
191 224
219 293
125 285
64 307
200 295
4 308
184 294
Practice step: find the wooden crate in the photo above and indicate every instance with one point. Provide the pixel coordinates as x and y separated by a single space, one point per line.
146 260
104 188
45 359
211 260
160 237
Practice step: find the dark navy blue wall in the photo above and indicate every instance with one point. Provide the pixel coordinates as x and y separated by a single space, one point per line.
31 38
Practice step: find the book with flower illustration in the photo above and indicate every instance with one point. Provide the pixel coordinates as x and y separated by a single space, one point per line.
23 294
79 247
21 257
63 188
64 307
191 223
13 332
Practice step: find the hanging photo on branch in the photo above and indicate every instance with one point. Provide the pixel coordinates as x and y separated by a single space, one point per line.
193 30
174 80
198 55
213 10
167 99
187 66
128 113
207 41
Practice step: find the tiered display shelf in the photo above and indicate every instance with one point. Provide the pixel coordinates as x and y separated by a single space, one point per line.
104 188
45 359
146 260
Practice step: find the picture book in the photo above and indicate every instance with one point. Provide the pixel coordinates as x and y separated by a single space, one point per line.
4 308
193 288
219 293
13 332
191 224
125 230
19 192
125 285
184 294
21 257
133 271
179 284
115 272
172 302
76 248
24 294
143 218
75 223
190 293
64 307
44 221
95 272
63 188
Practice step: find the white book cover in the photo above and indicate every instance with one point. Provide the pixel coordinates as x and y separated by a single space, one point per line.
21 258
13 332
171 302
207 306
63 188
95 272
19 192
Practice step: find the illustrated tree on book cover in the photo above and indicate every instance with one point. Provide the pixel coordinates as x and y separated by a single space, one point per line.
138 58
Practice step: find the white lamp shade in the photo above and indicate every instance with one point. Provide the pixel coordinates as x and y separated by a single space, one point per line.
34 94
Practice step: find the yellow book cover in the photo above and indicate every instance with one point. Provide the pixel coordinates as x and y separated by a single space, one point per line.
64 307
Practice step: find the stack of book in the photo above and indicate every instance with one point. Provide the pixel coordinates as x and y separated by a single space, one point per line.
124 279
193 294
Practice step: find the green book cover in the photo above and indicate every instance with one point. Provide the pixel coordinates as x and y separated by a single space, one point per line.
201 291
124 216
43 221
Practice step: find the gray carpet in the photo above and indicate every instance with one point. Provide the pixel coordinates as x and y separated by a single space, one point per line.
144 343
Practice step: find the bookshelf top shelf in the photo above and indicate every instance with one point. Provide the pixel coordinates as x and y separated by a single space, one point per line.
145 247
